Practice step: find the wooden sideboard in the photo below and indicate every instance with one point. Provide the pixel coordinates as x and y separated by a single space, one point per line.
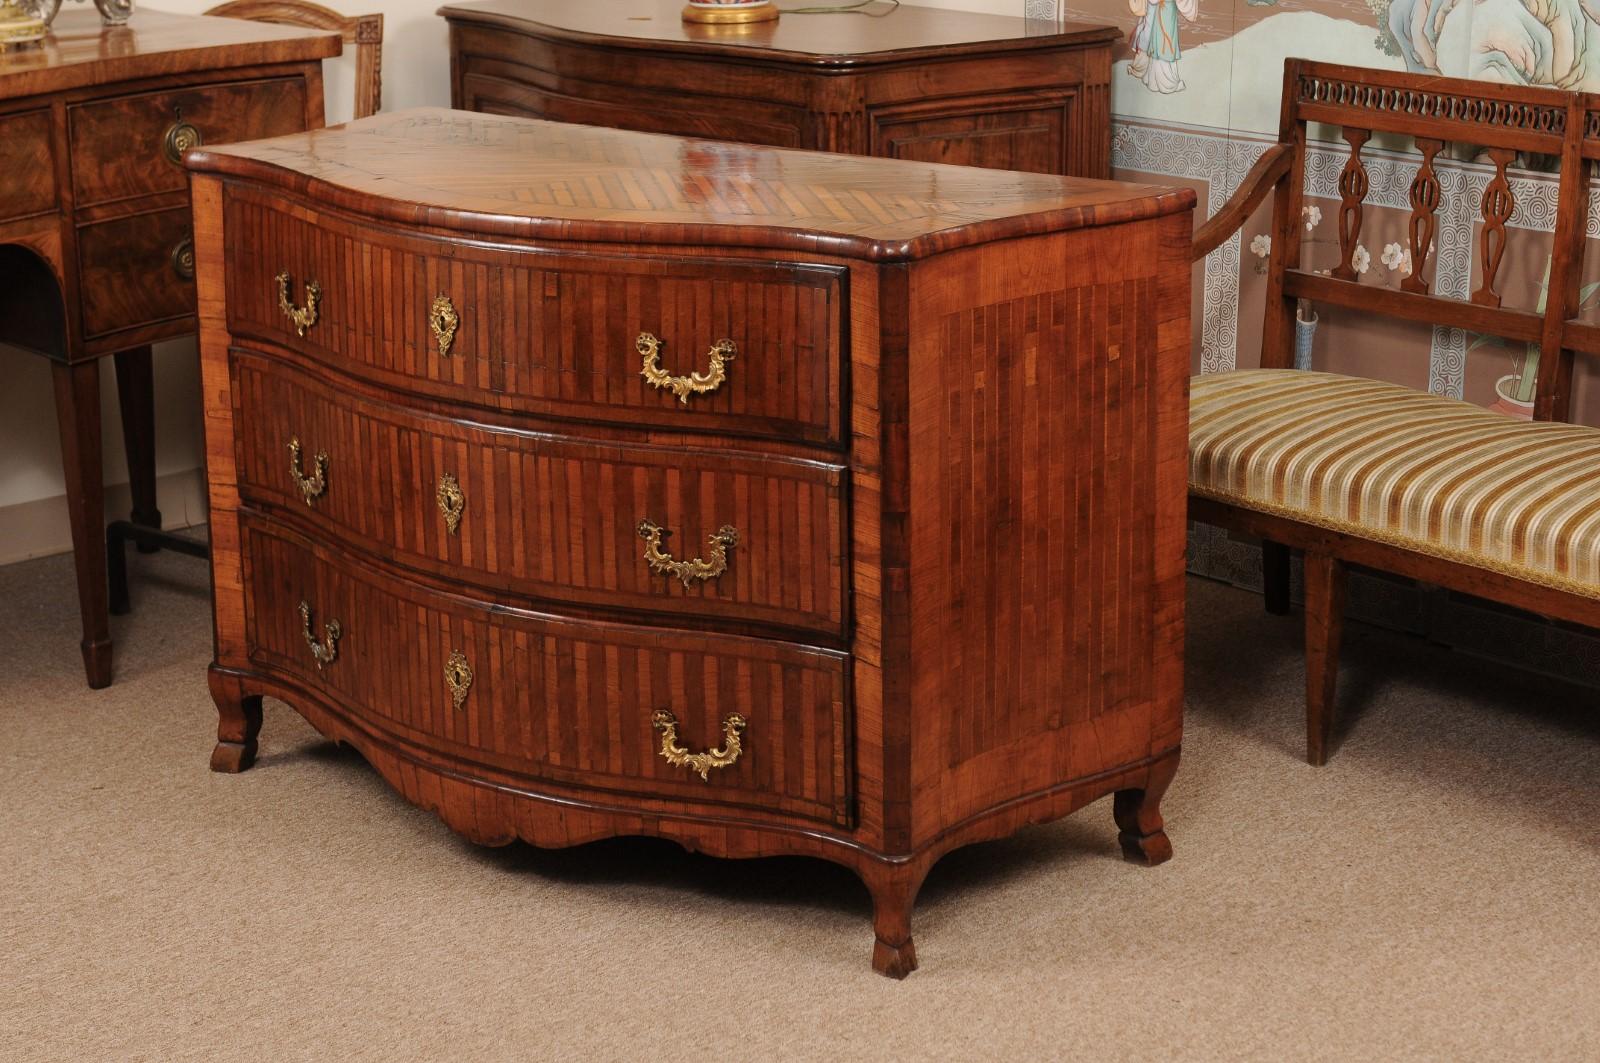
918 83
595 483
95 248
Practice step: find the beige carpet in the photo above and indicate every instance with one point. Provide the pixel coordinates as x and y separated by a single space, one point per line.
1433 894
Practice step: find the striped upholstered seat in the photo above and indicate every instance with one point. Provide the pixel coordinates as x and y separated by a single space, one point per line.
1403 467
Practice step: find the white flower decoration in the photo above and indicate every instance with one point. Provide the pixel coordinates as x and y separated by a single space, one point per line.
1312 216
1361 259
1393 255
1261 246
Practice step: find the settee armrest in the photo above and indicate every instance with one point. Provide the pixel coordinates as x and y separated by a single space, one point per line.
1272 167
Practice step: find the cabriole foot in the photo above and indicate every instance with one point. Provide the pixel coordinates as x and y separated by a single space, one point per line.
238 723
1138 814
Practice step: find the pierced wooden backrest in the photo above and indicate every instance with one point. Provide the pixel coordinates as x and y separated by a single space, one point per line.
363 31
1500 120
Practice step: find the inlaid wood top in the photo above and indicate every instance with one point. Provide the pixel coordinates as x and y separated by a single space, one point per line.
846 39
80 51
521 177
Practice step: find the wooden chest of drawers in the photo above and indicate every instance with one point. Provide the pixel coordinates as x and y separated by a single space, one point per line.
918 83
597 483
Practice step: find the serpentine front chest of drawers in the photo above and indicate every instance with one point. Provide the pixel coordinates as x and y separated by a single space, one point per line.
596 483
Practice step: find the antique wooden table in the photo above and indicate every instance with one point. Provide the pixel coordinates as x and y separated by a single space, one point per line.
95 249
919 83
592 483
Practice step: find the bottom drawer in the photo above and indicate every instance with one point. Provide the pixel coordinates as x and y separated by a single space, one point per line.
575 702
136 271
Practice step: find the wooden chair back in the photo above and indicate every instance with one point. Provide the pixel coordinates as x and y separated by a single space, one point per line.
365 32
1502 121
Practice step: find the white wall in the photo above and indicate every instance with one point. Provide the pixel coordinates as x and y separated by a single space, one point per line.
416 72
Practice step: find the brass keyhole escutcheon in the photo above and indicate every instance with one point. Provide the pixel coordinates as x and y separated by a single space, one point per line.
721 354
301 317
314 486
458 677
700 763
695 569
443 320
326 649
452 502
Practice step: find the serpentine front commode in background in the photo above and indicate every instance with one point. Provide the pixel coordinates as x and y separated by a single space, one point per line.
597 483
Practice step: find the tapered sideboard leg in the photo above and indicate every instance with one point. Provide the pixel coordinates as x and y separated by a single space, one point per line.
136 397
238 723
77 389
1138 815
894 892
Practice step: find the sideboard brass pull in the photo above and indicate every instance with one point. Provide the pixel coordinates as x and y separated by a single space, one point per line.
451 502
701 763
722 353
721 541
182 259
301 318
458 677
444 321
180 137
326 651
311 487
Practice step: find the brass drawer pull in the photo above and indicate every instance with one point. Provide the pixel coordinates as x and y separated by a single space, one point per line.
326 651
452 503
721 354
444 321
182 259
701 763
721 541
180 137
458 677
301 318
314 486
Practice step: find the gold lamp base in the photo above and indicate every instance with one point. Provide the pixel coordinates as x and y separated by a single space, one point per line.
18 29
730 14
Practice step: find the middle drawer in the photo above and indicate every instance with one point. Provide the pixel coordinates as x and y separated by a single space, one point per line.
716 533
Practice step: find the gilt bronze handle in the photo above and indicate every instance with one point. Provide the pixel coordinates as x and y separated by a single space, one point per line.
701 763
721 541
180 137
304 317
721 354
311 487
458 677
443 320
326 651
182 259
452 503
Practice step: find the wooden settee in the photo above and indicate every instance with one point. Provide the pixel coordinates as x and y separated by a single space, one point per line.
1356 471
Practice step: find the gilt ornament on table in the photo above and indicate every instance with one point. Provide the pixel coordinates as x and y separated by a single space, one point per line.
25 23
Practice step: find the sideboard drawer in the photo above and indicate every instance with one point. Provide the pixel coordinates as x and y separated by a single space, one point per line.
738 346
136 270
131 146
565 700
548 515
27 165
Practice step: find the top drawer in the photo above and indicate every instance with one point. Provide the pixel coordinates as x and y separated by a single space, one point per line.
27 166
132 145
731 346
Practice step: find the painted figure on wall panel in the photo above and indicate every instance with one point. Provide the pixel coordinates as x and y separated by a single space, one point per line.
1156 50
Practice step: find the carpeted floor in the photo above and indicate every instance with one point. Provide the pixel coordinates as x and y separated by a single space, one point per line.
1432 894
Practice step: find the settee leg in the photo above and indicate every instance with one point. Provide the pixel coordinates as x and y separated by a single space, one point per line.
1325 579
1275 577
1141 831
